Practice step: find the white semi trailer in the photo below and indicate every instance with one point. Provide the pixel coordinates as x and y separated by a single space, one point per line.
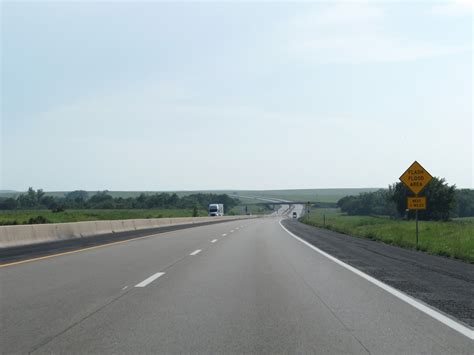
216 209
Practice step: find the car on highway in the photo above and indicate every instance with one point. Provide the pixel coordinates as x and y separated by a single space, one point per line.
295 215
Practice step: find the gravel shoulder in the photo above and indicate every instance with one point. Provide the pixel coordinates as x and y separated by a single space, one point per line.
443 283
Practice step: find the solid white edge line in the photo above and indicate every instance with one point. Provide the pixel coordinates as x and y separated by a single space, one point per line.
195 252
150 279
460 328
214 240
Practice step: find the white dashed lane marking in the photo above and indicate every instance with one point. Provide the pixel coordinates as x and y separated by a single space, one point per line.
150 279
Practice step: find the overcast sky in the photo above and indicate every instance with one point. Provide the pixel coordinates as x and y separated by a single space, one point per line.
181 96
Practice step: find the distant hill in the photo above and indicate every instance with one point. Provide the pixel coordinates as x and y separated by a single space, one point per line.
8 193
313 195
247 196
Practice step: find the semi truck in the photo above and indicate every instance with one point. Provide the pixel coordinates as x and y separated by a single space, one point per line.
216 209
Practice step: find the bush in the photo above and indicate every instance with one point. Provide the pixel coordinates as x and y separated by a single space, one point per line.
36 199
59 208
9 223
443 201
369 203
38 220
440 200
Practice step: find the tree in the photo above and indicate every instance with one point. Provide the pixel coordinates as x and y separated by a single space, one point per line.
465 203
49 202
440 200
101 200
78 196
28 200
39 195
369 203
8 204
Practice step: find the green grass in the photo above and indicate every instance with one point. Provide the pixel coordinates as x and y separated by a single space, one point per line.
464 219
454 238
22 217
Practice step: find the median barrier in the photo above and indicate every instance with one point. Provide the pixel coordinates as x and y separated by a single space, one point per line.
43 232
118 226
16 235
143 223
103 227
128 224
160 222
84 229
11 236
68 230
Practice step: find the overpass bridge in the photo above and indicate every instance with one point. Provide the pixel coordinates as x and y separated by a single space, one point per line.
291 203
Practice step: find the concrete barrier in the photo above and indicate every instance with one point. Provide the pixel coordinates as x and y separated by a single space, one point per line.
11 236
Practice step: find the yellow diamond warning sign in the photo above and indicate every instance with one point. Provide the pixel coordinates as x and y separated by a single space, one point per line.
416 178
416 203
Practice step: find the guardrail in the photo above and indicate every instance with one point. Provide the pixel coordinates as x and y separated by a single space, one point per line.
12 236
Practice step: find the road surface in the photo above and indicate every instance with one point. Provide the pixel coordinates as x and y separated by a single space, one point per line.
443 283
235 287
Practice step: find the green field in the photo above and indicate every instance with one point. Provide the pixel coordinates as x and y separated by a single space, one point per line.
454 238
313 195
22 216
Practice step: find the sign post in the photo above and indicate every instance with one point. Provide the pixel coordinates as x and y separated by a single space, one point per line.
416 219
416 178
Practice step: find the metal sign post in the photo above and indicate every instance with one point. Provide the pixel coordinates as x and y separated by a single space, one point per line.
416 218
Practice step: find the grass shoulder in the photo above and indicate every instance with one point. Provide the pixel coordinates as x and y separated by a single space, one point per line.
13 217
453 238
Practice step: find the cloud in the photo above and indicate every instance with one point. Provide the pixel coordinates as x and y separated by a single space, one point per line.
356 33
454 8
338 15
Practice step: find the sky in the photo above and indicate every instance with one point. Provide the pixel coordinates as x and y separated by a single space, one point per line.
234 95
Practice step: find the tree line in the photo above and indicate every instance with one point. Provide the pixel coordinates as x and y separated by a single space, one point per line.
79 199
443 201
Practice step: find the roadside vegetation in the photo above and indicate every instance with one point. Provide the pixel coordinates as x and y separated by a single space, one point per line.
246 196
452 238
444 202
47 216
446 227
35 207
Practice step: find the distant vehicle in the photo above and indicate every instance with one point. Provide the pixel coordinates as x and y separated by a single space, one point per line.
216 209
295 215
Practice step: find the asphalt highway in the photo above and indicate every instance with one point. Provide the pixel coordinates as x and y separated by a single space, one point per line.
443 283
235 287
